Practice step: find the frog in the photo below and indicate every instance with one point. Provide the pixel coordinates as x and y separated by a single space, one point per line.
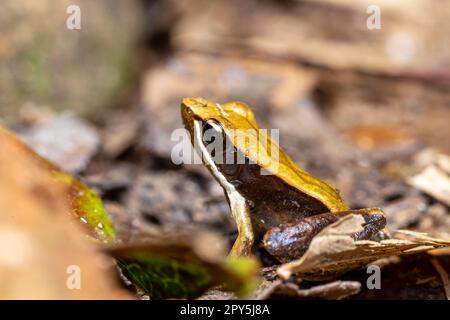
268 189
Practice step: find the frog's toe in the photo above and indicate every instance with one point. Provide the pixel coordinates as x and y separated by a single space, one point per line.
374 226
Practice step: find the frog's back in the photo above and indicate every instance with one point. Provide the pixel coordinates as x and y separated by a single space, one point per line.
267 154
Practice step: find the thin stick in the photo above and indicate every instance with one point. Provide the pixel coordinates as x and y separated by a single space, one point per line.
444 276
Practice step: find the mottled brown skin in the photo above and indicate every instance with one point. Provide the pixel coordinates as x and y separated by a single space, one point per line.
272 201
288 197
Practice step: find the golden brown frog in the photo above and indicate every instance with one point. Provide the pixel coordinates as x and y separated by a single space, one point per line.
259 201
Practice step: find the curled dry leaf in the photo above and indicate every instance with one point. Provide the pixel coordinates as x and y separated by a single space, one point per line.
434 181
333 251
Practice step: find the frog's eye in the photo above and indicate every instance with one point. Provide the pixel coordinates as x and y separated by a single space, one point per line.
212 133
211 127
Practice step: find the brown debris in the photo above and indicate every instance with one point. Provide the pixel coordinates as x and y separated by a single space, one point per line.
436 221
444 276
405 211
434 181
175 198
335 290
120 133
67 141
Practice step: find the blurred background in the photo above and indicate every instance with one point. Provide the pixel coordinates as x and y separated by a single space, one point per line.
364 106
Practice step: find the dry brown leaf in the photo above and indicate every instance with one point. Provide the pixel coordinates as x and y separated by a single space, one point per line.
309 39
333 251
40 245
434 181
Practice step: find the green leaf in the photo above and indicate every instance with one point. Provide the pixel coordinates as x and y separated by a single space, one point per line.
85 203
174 267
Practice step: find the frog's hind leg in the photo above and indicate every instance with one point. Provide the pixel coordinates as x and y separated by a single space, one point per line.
241 213
290 241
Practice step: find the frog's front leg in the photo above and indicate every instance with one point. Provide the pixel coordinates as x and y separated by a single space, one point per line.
290 241
241 214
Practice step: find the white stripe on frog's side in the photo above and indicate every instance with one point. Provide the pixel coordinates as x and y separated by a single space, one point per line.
238 204
209 162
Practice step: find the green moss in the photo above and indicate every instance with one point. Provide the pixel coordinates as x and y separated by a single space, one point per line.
163 277
87 205
244 270
175 271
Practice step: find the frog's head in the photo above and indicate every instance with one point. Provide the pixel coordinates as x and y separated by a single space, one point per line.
236 122
232 115
212 122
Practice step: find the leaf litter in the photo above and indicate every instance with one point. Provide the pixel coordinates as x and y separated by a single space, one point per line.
333 251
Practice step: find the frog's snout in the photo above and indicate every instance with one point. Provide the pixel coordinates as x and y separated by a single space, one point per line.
194 102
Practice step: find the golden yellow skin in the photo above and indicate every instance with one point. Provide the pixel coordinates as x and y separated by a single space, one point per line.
264 152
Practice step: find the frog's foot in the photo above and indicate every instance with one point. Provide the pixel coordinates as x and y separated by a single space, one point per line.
242 246
244 242
374 226
290 241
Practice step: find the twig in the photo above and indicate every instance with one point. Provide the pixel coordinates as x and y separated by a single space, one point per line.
444 276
